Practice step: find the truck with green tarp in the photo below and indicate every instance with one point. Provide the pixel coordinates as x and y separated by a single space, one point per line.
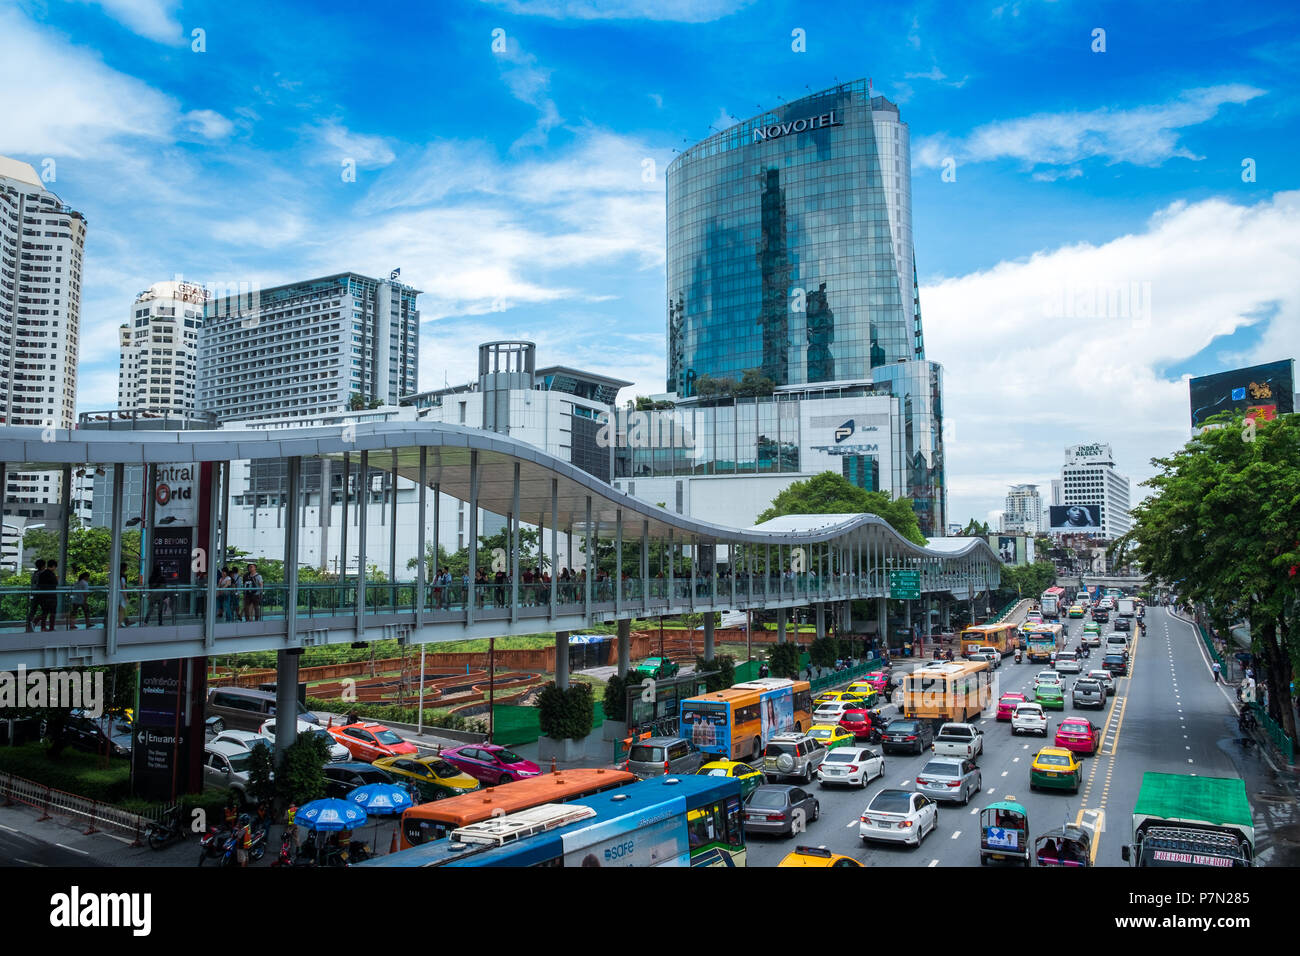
1181 820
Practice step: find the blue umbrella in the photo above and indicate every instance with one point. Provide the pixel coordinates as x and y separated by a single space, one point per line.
330 814
383 799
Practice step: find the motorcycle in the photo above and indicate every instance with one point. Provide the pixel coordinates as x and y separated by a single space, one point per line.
1246 720
286 857
165 831
1018 655
212 842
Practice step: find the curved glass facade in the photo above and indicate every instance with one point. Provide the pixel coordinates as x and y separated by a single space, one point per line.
790 246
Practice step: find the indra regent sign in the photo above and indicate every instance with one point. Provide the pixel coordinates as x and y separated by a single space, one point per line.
797 126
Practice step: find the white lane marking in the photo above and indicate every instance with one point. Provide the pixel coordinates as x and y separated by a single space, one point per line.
28 862
991 789
903 783
956 834
974 810
934 863
1025 747
851 824
1189 759
10 829
87 852
1005 772
1015 760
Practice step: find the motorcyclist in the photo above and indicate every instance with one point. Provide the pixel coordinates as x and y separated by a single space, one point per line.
1018 655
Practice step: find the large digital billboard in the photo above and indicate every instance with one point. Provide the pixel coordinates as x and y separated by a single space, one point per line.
1074 517
1269 388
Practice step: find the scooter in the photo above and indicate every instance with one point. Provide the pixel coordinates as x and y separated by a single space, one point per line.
1018 655
166 831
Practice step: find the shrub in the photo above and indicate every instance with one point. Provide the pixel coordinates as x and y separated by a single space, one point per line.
824 651
615 700
566 714
401 714
300 777
724 665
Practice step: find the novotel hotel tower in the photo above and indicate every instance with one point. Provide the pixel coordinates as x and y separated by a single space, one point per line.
790 246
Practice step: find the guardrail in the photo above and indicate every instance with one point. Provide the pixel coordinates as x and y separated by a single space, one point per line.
51 802
1275 732
845 676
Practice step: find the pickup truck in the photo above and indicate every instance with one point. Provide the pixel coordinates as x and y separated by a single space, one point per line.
959 740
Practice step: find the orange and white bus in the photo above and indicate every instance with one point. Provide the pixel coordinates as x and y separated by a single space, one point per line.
436 819
736 723
1002 636
943 691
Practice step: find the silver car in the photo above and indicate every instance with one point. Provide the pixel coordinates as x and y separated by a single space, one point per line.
793 755
948 778
1088 692
659 756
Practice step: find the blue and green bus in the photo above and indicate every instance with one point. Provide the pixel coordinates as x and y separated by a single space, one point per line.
664 821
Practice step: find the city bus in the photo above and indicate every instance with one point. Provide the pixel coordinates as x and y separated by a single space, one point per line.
664 821
948 691
433 821
1042 640
736 723
1001 636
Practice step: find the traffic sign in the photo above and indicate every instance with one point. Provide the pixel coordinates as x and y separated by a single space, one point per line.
905 585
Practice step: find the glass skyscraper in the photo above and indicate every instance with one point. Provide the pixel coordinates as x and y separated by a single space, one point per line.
790 246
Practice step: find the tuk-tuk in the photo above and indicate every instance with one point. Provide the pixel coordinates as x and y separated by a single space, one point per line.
1004 833
1064 846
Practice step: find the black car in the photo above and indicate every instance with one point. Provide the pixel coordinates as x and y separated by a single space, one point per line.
106 734
342 778
913 735
1122 624
1100 615
1117 664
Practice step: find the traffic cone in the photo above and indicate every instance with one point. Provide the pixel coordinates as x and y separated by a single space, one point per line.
392 847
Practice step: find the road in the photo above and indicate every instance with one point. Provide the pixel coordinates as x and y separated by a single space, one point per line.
1167 715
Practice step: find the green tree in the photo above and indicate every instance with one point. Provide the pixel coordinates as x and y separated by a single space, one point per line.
566 714
754 384
357 402
783 660
976 528
829 493
725 667
1222 528
824 651
615 701
89 549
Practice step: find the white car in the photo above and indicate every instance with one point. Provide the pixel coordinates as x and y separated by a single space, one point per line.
851 765
830 713
1049 677
898 816
338 753
244 739
1029 719
1067 662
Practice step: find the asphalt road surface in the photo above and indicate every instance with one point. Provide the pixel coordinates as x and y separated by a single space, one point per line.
1168 715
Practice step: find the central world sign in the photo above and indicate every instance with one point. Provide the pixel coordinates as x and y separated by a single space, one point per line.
797 126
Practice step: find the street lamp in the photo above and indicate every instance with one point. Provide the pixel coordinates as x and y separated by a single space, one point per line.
18 552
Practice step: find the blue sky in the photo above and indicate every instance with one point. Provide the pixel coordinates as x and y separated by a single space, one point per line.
522 188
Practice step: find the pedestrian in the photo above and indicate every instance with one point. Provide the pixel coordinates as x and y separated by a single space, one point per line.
33 601
252 594
291 827
79 600
1215 667
245 838
158 597
121 597
48 584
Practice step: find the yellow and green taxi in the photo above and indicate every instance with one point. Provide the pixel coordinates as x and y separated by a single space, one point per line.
1055 769
1076 610
865 691
748 777
816 856
831 736
839 697
433 777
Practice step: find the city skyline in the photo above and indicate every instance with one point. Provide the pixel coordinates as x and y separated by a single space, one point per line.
522 186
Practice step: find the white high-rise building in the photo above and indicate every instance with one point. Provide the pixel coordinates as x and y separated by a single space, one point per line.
1024 510
1089 478
41 246
158 370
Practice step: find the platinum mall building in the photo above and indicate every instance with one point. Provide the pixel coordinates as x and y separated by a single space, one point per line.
793 321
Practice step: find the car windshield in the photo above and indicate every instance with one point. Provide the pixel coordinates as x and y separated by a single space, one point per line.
891 801
1114 658
714 772
1088 686
942 768
1054 760
240 763
820 732
387 737
841 756
440 768
1073 727
956 730
767 799
643 754
1011 701
776 750
508 756
854 716
1023 711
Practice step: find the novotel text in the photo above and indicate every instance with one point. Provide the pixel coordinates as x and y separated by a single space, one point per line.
797 126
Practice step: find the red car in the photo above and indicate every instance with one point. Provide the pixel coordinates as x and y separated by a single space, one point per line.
1077 734
490 764
369 742
1007 704
857 722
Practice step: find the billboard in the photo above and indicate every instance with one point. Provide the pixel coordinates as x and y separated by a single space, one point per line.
1074 517
1007 549
1269 389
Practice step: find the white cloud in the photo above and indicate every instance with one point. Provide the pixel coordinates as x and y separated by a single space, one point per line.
209 124
336 142
684 11
1068 346
529 83
154 19
1144 135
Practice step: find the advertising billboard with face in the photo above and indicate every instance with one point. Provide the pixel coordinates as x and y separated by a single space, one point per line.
1075 517
1264 390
